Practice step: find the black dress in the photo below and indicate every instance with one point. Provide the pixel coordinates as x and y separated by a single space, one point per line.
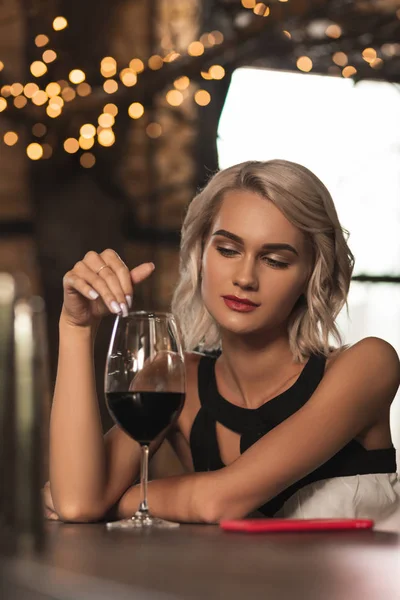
252 424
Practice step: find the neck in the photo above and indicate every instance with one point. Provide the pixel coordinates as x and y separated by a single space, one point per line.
250 372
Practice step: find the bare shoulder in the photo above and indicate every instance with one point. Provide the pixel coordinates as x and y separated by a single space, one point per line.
371 358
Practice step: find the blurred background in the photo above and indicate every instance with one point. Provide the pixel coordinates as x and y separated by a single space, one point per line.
113 114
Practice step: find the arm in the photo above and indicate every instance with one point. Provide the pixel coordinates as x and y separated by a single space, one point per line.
77 452
88 473
362 380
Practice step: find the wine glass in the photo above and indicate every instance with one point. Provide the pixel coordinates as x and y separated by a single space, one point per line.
145 390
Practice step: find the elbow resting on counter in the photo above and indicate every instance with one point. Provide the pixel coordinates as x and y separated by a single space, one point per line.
75 513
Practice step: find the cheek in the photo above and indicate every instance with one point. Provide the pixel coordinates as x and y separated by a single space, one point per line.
208 274
210 266
211 273
288 293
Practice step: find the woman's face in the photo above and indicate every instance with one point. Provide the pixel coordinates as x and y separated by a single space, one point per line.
253 253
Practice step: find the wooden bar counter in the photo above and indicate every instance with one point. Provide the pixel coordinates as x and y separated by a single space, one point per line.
85 562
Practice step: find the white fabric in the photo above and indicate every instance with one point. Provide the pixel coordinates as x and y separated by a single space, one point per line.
374 497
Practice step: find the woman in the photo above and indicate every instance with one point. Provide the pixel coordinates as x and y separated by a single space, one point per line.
279 421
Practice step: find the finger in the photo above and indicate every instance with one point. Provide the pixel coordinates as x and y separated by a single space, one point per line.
51 515
69 281
142 272
111 268
113 260
47 498
89 283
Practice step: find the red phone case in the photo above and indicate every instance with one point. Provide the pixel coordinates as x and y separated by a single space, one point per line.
268 525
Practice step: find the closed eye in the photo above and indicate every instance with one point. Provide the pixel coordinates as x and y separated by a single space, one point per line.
275 264
226 251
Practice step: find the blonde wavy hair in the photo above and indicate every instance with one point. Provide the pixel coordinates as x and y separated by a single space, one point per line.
307 204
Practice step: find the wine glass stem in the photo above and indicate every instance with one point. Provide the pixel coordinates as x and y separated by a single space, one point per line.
144 474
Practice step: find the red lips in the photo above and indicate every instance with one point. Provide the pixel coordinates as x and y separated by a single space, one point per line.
240 300
242 305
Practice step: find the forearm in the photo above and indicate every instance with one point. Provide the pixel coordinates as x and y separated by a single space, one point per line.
192 498
77 454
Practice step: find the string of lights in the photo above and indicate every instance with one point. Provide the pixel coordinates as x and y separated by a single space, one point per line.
55 95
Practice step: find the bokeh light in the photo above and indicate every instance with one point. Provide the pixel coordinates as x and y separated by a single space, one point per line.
369 54
108 66
53 89
136 65
34 151
304 63
83 89
86 143
128 77
196 49
88 130
87 160
49 56
10 138
216 72
111 108
39 130
136 110
77 76
17 89
106 137
154 130
60 23
38 68
30 89
182 83
71 145
110 86
56 102
202 98
333 31
106 120
40 98
349 71
261 9
20 102
340 59
174 97
41 40
53 111
155 62
68 94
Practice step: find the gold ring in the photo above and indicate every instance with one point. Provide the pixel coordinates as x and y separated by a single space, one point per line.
103 267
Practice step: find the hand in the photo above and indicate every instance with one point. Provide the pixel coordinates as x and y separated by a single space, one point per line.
100 284
48 506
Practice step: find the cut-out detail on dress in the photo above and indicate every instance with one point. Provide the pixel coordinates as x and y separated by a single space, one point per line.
252 424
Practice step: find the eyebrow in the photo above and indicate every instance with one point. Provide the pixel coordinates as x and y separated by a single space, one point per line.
239 240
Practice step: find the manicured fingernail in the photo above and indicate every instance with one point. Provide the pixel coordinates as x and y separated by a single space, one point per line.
124 309
93 294
129 301
115 307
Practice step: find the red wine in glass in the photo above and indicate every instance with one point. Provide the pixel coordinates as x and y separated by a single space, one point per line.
145 390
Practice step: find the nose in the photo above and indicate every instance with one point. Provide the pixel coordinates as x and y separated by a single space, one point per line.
245 275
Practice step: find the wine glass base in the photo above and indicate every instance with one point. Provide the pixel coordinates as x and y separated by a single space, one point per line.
140 521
